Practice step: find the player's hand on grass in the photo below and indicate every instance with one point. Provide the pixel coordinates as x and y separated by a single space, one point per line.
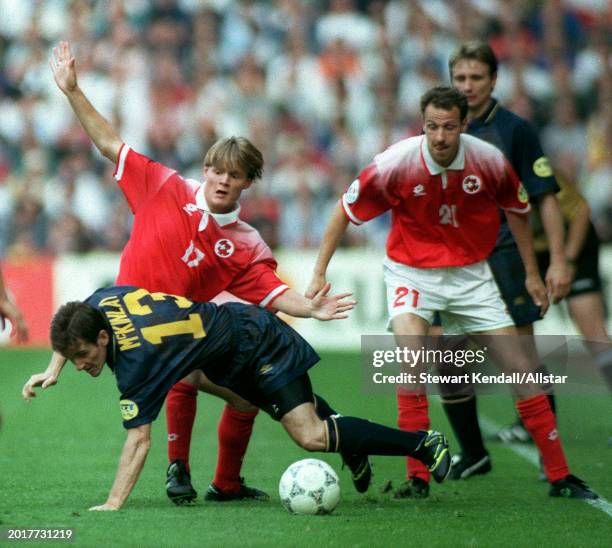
537 290
19 328
558 280
106 507
63 66
44 380
317 283
332 307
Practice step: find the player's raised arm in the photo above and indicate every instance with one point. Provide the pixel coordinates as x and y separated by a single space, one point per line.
46 378
521 230
133 456
333 234
100 131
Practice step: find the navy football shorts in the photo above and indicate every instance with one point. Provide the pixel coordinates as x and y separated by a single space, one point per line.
269 355
283 400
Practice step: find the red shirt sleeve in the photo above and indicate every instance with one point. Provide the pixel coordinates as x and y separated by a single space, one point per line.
511 193
368 196
139 177
259 284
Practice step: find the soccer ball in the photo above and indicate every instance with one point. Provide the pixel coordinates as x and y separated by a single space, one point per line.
309 486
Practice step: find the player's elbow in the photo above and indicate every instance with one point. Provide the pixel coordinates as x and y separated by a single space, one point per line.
110 148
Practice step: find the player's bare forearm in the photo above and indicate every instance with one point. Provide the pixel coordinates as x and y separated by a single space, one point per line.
552 221
577 232
132 461
521 230
322 306
336 227
104 136
100 131
45 379
558 276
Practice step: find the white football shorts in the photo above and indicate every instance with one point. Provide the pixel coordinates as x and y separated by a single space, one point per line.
466 297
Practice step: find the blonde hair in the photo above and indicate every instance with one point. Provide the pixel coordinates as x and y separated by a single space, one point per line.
236 153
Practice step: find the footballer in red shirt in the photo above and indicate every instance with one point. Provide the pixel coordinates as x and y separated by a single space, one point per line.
444 189
188 240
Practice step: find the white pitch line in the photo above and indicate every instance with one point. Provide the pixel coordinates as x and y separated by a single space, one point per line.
532 456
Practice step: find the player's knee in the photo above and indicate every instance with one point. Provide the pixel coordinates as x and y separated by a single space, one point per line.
311 436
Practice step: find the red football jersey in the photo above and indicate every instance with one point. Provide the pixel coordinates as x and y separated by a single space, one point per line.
178 246
439 216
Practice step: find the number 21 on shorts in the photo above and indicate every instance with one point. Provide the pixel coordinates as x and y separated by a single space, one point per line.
403 296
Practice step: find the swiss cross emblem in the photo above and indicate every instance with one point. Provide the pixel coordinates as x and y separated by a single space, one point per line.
471 184
224 248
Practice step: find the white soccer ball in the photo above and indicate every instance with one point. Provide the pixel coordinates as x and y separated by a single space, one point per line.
309 486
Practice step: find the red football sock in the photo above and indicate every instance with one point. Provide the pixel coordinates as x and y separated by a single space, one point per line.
234 434
540 422
413 415
181 405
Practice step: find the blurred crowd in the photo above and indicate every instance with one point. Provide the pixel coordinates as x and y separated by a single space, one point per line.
320 86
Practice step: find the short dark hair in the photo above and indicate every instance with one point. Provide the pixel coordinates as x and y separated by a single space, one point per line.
233 153
446 98
73 322
477 51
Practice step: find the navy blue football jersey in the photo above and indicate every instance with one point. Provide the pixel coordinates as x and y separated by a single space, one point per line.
157 339
517 139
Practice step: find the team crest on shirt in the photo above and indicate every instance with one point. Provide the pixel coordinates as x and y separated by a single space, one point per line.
542 167
418 190
522 194
353 192
224 248
472 184
129 409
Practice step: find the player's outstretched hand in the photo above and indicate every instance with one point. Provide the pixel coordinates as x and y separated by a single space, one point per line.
558 280
19 328
537 290
332 307
106 507
63 66
44 380
317 283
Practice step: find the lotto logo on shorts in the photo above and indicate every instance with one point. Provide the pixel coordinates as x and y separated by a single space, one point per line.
472 184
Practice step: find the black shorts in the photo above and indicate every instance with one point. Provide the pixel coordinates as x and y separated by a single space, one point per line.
586 278
288 397
269 355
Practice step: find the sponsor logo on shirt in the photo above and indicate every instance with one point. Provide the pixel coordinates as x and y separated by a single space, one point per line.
522 194
224 248
266 369
418 190
129 409
471 184
542 168
353 192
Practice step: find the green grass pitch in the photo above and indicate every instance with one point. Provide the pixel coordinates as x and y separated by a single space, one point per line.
58 457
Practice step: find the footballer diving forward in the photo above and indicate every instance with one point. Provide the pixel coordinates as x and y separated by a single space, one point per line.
151 340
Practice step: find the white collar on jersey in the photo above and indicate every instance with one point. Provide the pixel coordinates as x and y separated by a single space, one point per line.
434 168
222 219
